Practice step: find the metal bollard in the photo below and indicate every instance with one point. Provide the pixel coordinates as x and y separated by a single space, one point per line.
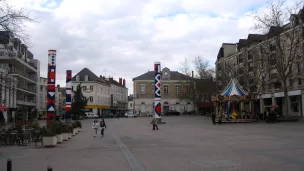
9 165
49 168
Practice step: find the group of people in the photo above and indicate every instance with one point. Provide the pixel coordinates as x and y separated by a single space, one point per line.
102 126
99 125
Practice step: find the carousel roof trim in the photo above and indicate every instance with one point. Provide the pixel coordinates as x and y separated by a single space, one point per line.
234 88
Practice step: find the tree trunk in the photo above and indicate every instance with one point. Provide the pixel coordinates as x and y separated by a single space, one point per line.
286 100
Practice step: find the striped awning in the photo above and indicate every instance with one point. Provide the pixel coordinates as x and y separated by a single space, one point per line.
234 88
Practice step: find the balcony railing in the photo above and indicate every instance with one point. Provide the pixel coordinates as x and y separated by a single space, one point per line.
30 89
28 76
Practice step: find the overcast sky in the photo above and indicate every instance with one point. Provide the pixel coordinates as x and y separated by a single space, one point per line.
123 38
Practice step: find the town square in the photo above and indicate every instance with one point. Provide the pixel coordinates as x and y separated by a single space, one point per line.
184 143
151 85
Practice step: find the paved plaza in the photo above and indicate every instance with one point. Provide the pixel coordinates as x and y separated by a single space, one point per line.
185 143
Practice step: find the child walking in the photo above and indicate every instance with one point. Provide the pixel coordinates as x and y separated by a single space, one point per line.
95 127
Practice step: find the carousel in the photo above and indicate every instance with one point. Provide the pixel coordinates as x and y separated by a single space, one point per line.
234 104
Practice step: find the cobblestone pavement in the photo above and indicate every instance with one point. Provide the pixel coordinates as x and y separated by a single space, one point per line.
183 144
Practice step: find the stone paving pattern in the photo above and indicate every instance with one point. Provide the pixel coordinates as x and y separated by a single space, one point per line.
185 143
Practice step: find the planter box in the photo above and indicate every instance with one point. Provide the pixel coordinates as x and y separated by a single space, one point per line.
65 136
70 135
77 130
49 141
59 138
74 131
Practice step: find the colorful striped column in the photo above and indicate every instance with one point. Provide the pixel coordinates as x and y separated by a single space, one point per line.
68 98
157 86
51 87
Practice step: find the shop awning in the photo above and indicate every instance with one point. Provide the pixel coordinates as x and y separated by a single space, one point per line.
206 104
3 108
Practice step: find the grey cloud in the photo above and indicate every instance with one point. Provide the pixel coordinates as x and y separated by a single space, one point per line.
122 42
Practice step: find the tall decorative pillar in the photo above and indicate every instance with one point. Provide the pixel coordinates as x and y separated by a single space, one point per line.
157 93
68 98
302 104
51 87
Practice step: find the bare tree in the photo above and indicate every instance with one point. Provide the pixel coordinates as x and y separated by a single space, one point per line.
283 47
13 20
197 87
203 68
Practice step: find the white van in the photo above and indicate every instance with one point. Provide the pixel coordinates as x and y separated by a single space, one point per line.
91 115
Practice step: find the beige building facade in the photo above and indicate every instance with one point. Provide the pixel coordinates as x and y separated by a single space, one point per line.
172 84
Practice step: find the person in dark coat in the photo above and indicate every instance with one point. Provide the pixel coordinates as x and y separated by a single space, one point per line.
213 118
102 126
154 122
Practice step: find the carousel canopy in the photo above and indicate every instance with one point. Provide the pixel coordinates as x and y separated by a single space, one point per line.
234 88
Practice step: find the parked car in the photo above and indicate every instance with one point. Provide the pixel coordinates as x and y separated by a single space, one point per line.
130 115
90 115
172 112
110 115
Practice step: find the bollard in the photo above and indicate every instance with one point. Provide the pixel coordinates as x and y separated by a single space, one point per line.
49 168
9 165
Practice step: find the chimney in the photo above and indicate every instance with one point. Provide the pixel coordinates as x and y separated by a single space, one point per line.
124 82
120 81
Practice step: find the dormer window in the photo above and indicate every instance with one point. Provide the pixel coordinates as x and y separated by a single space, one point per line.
293 19
77 78
86 78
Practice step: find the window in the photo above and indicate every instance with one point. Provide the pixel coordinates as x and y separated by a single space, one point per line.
142 89
295 107
91 88
130 104
77 78
84 88
177 88
86 78
299 67
91 98
272 47
290 82
72 88
299 81
166 89
188 88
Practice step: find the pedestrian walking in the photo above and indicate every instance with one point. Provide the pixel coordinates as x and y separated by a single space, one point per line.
95 127
154 122
213 118
102 126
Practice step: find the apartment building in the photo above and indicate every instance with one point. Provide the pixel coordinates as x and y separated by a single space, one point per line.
256 68
130 103
8 95
60 100
42 96
119 96
95 88
25 69
173 83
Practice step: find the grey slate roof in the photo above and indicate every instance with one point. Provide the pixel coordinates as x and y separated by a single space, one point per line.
90 74
174 75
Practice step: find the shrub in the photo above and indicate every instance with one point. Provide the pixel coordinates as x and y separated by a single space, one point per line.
65 128
74 125
48 132
79 125
34 124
